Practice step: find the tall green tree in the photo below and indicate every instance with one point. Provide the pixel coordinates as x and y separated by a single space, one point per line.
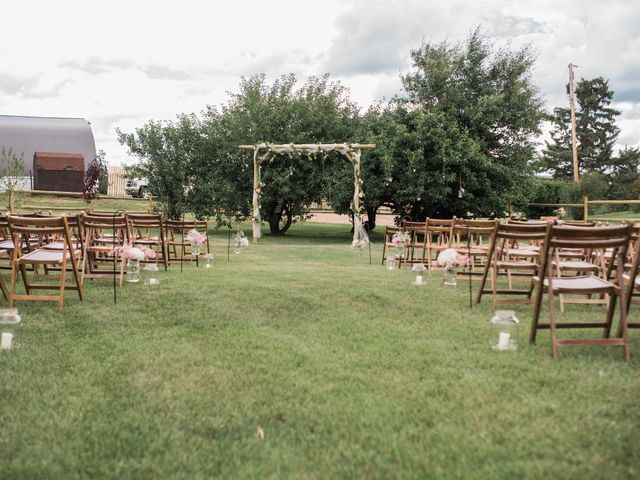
624 178
169 154
596 132
462 137
318 111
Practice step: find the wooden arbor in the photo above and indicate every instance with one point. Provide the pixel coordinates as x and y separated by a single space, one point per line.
266 151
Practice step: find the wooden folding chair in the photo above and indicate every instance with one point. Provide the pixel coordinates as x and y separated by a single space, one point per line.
632 276
48 230
416 250
438 237
179 249
147 230
598 238
401 250
514 250
103 236
471 237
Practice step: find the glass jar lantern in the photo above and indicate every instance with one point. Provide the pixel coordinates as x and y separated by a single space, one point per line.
151 274
208 261
391 262
9 328
418 271
133 270
450 275
504 330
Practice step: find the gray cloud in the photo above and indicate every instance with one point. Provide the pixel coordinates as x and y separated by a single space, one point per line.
96 66
13 84
162 72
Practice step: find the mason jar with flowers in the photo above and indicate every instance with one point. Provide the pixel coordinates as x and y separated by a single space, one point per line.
450 260
400 241
196 239
131 257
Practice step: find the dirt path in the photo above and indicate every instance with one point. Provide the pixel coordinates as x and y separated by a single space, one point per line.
334 218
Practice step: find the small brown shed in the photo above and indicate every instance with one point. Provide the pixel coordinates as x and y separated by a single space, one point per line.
59 172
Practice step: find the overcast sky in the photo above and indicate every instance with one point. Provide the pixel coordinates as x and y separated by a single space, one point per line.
121 63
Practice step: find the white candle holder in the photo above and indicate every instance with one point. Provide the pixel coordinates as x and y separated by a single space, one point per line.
208 261
391 262
133 270
504 330
9 328
418 270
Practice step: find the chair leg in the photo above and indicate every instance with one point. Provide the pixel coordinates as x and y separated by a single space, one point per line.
552 324
13 285
610 311
536 312
624 329
62 281
78 279
3 287
494 286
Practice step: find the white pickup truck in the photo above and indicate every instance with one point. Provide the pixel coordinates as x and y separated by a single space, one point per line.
137 187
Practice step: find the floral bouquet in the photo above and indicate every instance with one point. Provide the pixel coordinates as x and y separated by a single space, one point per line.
239 241
400 240
131 256
359 245
451 258
129 252
196 239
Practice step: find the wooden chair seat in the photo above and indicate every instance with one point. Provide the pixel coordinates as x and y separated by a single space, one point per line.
43 255
585 284
516 265
576 266
528 251
59 245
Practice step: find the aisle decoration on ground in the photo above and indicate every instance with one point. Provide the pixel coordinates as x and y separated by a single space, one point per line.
450 259
400 240
196 239
131 256
239 241
362 242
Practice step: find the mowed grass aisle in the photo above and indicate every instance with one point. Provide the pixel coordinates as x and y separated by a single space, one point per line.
347 369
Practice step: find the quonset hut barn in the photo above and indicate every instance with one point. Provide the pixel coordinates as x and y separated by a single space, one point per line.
55 151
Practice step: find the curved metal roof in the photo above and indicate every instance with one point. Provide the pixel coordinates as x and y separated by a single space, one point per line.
28 135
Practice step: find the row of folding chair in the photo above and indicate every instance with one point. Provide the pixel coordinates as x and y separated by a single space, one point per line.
425 240
43 249
560 260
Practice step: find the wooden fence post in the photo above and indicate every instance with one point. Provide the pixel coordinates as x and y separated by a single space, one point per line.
585 201
150 198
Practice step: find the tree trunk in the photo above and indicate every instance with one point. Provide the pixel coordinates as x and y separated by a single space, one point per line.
280 221
371 217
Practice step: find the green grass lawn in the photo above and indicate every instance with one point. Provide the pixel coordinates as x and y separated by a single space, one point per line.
348 369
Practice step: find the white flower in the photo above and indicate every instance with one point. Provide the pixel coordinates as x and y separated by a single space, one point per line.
447 256
244 241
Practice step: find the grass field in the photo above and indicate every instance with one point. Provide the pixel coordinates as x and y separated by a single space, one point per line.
347 369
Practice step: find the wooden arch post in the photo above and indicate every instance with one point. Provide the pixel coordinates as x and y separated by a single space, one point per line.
352 152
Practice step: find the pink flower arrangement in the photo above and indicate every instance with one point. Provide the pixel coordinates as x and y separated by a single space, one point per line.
401 237
195 237
129 252
451 258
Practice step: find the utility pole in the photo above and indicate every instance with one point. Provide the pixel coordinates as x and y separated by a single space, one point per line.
574 141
